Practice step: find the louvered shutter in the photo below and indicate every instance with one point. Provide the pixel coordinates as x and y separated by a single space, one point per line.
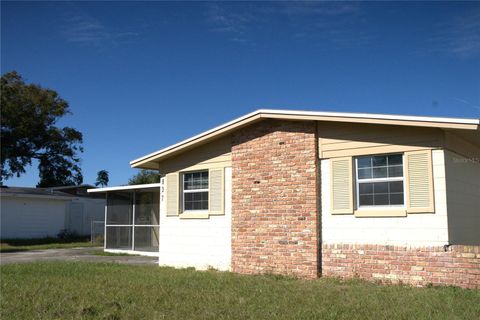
216 191
419 181
341 185
172 194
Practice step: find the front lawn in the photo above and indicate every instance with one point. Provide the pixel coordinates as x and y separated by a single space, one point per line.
60 290
13 245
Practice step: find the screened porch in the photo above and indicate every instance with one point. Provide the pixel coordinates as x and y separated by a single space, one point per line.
132 216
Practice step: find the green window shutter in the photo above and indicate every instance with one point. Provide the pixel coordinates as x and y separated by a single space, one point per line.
172 198
341 185
419 182
216 191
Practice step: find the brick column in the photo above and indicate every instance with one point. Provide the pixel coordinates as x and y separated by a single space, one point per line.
275 199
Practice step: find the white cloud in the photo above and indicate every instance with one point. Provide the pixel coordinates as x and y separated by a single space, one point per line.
459 37
331 21
86 30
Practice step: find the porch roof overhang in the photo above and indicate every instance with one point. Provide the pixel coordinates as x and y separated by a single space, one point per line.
126 188
151 160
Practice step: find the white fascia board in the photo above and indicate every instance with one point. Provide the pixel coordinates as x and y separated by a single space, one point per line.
124 188
373 116
345 115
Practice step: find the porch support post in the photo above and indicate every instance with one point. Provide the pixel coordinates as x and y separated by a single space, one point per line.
133 222
105 223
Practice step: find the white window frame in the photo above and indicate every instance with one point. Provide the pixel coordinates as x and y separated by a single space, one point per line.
357 184
195 191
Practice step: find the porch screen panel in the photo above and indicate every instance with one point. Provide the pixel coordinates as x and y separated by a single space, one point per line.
147 207
119 238
119 208
147 215
146 239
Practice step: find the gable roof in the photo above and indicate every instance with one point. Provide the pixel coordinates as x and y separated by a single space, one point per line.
418 121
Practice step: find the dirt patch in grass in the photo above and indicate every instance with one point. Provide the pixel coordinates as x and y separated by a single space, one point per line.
60 290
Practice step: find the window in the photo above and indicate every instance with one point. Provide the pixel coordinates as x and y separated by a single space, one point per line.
195 191
380 181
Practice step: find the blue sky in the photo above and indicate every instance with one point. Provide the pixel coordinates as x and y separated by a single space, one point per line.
141 76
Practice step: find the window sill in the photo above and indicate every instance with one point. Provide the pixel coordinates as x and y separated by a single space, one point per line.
381 213
194 215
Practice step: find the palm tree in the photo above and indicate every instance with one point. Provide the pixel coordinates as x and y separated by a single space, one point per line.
102 178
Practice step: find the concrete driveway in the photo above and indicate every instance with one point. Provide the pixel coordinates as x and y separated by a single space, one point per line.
75 254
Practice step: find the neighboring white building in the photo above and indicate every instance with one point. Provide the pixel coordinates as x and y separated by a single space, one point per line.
37 212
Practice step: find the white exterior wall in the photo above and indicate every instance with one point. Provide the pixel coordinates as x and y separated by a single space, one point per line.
27 217
93 210
412 230
199 243
463 199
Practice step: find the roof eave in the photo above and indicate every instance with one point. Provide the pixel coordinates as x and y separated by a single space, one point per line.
436 122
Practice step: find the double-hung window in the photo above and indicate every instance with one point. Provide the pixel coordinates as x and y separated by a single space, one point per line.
380 181
195 191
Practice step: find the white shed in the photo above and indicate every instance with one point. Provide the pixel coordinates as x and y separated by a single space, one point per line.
36 213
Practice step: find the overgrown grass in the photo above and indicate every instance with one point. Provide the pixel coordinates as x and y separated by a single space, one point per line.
60 290
12 245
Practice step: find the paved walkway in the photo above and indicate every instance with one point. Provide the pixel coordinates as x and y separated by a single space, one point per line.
75 254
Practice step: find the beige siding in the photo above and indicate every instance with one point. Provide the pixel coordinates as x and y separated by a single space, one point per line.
463 198
468 146
346 139
214 157
214 154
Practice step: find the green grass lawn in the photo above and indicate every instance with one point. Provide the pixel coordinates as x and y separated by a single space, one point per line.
60 290
13 245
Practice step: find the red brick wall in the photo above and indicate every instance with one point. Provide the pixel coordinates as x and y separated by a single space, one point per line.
275 199
458 265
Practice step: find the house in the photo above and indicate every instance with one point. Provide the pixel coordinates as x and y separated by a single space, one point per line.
380 197
27 213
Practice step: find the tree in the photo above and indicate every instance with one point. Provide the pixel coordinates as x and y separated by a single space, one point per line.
28 131
102 178
145 177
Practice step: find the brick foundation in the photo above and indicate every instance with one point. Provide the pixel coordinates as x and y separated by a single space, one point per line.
458 265
275 199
